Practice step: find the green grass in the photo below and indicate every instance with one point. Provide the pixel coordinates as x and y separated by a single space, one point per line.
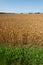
21 55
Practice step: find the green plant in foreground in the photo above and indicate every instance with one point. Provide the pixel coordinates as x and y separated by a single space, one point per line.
21 56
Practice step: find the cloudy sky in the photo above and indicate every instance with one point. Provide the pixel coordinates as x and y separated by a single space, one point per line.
21 6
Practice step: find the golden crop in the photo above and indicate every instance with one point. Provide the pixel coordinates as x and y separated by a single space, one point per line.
21 29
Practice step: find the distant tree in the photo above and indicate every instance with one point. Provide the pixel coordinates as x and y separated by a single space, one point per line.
37 13
2 13
7 13
21 13
30 13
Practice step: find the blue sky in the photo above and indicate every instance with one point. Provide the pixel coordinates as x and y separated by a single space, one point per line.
19 6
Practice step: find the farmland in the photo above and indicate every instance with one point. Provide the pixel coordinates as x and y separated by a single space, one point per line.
25 30
21 29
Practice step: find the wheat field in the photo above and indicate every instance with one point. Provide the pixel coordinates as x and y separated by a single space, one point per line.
21 29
